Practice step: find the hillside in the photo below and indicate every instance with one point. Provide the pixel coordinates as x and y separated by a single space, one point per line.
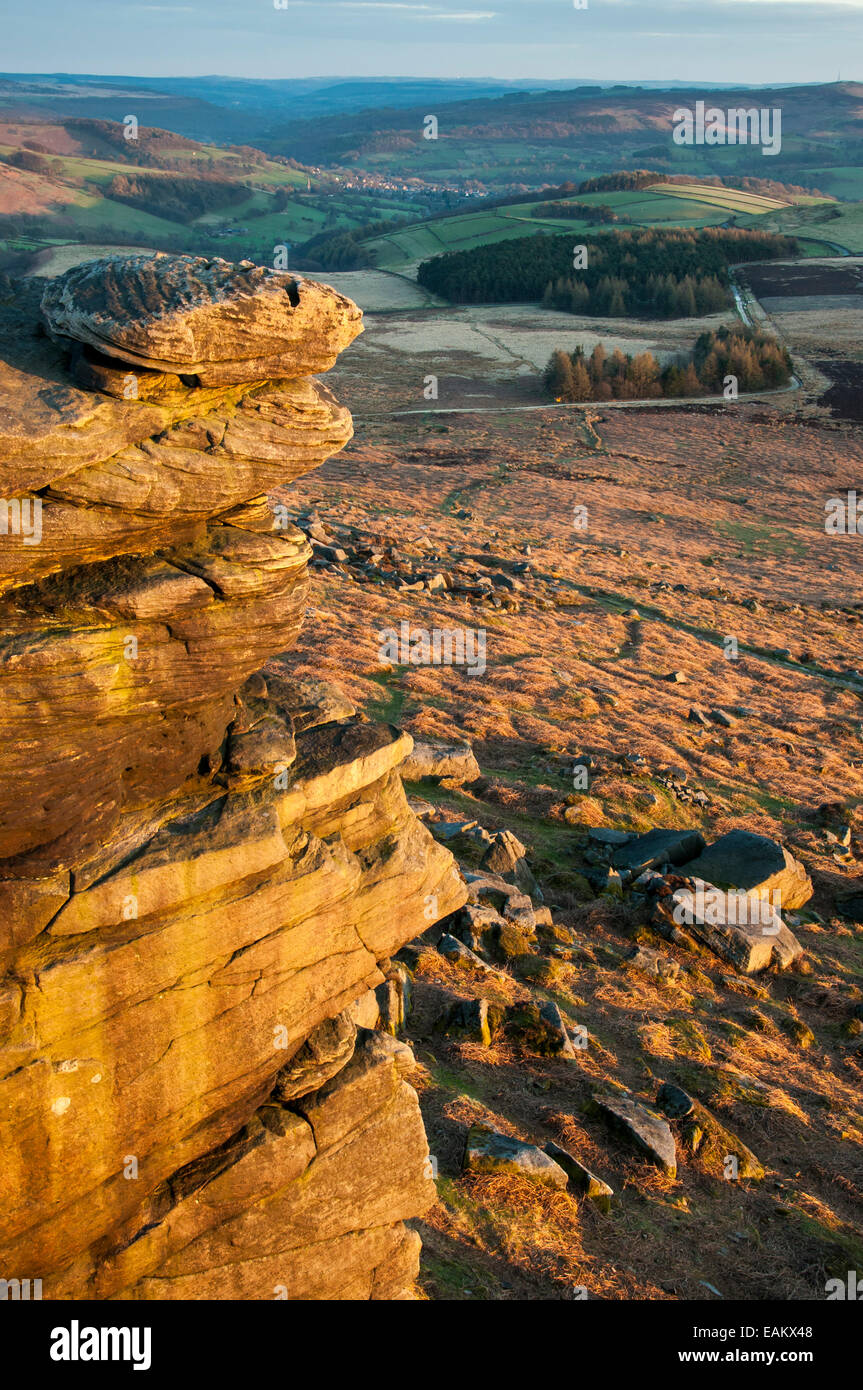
535 137
82 180
688 204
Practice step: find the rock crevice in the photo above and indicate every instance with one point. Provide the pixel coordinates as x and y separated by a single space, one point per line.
201 865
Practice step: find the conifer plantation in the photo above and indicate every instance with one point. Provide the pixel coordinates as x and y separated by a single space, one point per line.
756 360
644 272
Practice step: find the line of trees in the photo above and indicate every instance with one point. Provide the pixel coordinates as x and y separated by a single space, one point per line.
176 197
342 250
651 271
633 179
757 362
580 212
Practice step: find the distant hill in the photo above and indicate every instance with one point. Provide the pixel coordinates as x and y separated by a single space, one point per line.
240 110
536 137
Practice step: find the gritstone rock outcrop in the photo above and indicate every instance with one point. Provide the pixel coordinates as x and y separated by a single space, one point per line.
202 868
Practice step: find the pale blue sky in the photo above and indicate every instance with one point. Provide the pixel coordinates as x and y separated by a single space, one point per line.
748 41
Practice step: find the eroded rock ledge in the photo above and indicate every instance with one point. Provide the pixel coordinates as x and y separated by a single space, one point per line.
202 869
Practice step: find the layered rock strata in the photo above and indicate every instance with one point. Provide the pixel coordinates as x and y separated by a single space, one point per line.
203 869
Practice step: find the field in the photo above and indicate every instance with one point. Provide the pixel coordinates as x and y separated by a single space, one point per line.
660 205
376 291
733 199
816 305
485 356
835 224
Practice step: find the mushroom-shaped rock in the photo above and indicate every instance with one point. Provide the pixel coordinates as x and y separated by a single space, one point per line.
210 319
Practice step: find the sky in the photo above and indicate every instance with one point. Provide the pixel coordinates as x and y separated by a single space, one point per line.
747 41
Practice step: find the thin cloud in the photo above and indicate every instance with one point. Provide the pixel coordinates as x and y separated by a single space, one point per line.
431 13
421 11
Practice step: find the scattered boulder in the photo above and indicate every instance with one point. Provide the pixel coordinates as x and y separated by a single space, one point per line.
457 953
537 969
508 899
475 1020
659 847
450 765
718 1149
581 1178
505 856
721 716
652 963
746 931
511 941
754 864
646 1129
488 1151
540 1027
605 835
674 1101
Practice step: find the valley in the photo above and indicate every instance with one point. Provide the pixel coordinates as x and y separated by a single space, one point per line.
382 709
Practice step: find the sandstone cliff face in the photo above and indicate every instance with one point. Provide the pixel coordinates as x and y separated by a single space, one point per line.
201 869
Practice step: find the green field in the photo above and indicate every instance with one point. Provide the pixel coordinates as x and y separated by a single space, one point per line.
660 205
73 192
409 245
843 181
839 223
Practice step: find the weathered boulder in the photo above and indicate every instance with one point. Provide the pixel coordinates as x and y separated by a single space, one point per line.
452 764
475 1020
718 1150
506 856
581 1178
754 864
642 1126
210 319
644 958
658 847
488 1151
744 929
204 870
540 1027
506 898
